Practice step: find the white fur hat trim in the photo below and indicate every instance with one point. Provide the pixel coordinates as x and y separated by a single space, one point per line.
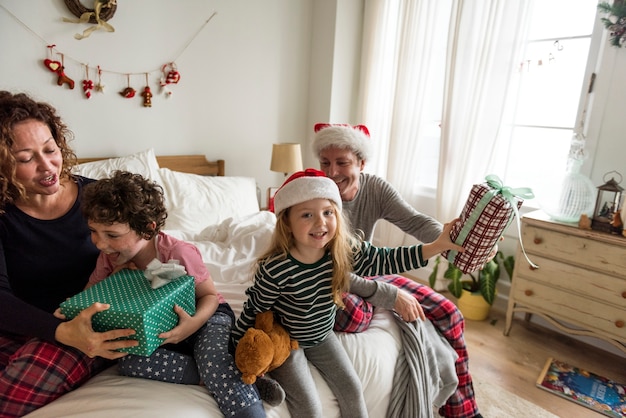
303 189
343 137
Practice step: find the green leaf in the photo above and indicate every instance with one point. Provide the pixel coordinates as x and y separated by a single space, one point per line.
433 275
453 273
488 287
456 288
509 265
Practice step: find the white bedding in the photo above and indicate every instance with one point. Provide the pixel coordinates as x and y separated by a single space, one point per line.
230 243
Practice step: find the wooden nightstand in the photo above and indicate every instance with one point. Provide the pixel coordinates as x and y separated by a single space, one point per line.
580 285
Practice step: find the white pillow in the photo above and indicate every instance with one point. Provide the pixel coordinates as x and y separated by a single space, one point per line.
144 163
194 202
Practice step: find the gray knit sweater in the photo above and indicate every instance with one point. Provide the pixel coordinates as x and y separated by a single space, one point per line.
377 199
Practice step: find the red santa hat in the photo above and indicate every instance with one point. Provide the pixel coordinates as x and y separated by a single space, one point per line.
303 186
354 138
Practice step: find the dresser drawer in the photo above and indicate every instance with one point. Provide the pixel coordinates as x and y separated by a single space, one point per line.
572 279
575 309
575 249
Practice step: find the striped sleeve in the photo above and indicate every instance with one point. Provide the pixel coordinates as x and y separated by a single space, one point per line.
372 261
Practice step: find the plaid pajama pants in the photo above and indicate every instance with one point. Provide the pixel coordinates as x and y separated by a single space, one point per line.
35 372
444 315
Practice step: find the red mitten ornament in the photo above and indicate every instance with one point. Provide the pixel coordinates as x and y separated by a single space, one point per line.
170 76
173 76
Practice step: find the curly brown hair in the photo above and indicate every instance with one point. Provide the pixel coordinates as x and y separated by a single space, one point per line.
16 108
126 198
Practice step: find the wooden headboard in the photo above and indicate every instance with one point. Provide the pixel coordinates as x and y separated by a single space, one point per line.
195 164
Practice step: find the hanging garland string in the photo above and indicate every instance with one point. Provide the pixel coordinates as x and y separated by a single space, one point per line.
52 48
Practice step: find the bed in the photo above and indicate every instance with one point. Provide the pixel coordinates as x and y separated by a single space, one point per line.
221 216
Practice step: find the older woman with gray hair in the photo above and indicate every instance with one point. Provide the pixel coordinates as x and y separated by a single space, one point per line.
343 151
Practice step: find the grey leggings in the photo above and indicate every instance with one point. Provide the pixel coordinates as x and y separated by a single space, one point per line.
211 363
330 358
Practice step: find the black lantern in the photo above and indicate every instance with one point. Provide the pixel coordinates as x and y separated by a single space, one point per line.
608 205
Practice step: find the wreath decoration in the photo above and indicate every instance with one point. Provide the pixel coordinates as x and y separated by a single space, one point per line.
106 12
103 10
617 10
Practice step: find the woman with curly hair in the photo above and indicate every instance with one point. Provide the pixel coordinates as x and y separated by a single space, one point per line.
46 256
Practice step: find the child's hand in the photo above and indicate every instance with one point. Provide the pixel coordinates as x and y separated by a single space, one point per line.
130 265
445 240
442 243
186 326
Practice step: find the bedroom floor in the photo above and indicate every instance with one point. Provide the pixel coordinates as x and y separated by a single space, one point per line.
514 362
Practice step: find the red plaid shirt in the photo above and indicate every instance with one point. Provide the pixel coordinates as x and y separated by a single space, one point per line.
36 372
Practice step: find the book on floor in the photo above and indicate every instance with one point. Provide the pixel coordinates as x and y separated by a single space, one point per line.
583 387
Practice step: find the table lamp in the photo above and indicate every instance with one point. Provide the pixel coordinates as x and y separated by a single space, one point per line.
286 158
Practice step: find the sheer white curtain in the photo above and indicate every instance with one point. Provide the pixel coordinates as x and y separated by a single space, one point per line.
484 49
426 58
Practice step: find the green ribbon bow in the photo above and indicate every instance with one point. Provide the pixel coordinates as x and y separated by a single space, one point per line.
511 195
507 192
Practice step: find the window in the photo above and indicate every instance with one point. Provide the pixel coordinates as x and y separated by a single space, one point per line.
549 82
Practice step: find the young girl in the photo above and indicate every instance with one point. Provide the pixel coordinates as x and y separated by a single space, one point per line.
301 278
125 214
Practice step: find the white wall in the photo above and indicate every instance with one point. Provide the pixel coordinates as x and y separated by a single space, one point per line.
259 72
244 77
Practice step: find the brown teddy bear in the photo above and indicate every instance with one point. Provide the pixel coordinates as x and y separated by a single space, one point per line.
263 348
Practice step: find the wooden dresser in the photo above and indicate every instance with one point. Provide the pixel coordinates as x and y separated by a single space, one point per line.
580 285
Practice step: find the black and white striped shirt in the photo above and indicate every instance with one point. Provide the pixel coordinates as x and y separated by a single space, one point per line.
301 294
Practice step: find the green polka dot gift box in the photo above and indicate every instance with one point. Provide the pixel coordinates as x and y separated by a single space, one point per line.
135 304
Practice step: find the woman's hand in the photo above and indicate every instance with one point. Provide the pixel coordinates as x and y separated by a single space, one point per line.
57 314
408 307
79 334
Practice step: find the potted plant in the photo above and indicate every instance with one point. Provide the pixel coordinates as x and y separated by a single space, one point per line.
476 291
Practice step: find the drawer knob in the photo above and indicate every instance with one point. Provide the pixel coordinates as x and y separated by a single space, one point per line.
532 268
528 292
624 294
619 324
538 240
